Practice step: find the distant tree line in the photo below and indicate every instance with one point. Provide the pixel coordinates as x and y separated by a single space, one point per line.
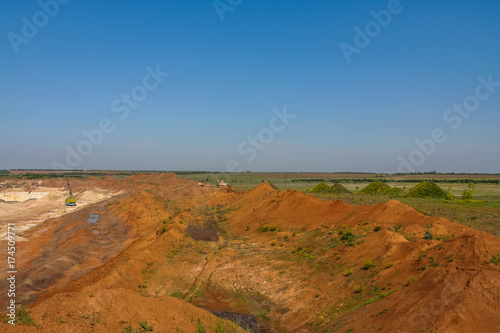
390 180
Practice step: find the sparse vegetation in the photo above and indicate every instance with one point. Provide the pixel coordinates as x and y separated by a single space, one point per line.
433 263
200 327
428 235
410 280
467 193
23 317
367 264
145 326
264 228
495 259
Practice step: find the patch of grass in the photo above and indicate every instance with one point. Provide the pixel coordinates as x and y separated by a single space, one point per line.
367 264
443 238
219 328
410 238
23 317
129 329
383 311
348 272
373 300
495 259
200 327
377 228
397 227
176 294
410 280
264 228
145 326
389 264
358 289
433 263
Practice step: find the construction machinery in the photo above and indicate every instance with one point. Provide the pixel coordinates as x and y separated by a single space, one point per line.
70 199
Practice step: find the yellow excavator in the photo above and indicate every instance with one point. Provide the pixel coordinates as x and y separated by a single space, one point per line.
70 199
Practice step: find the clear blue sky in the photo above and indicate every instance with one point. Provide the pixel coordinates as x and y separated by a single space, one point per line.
226 77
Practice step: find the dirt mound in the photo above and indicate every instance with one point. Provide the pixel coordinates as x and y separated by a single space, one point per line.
458 295
377 187
320 188
293 209
115 310
427 189
334 189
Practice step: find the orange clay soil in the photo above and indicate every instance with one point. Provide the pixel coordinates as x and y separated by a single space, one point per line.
283 261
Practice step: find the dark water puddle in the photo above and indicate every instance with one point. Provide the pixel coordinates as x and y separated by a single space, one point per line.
245 321
92 221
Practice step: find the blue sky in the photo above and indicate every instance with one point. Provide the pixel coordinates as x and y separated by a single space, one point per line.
225 78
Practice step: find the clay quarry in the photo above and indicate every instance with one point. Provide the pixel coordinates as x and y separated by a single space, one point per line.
158 252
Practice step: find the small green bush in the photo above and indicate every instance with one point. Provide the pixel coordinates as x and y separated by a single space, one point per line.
200 327
496 259
145 326
411 279
428 235
264 228
467 194
367 264
377 228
